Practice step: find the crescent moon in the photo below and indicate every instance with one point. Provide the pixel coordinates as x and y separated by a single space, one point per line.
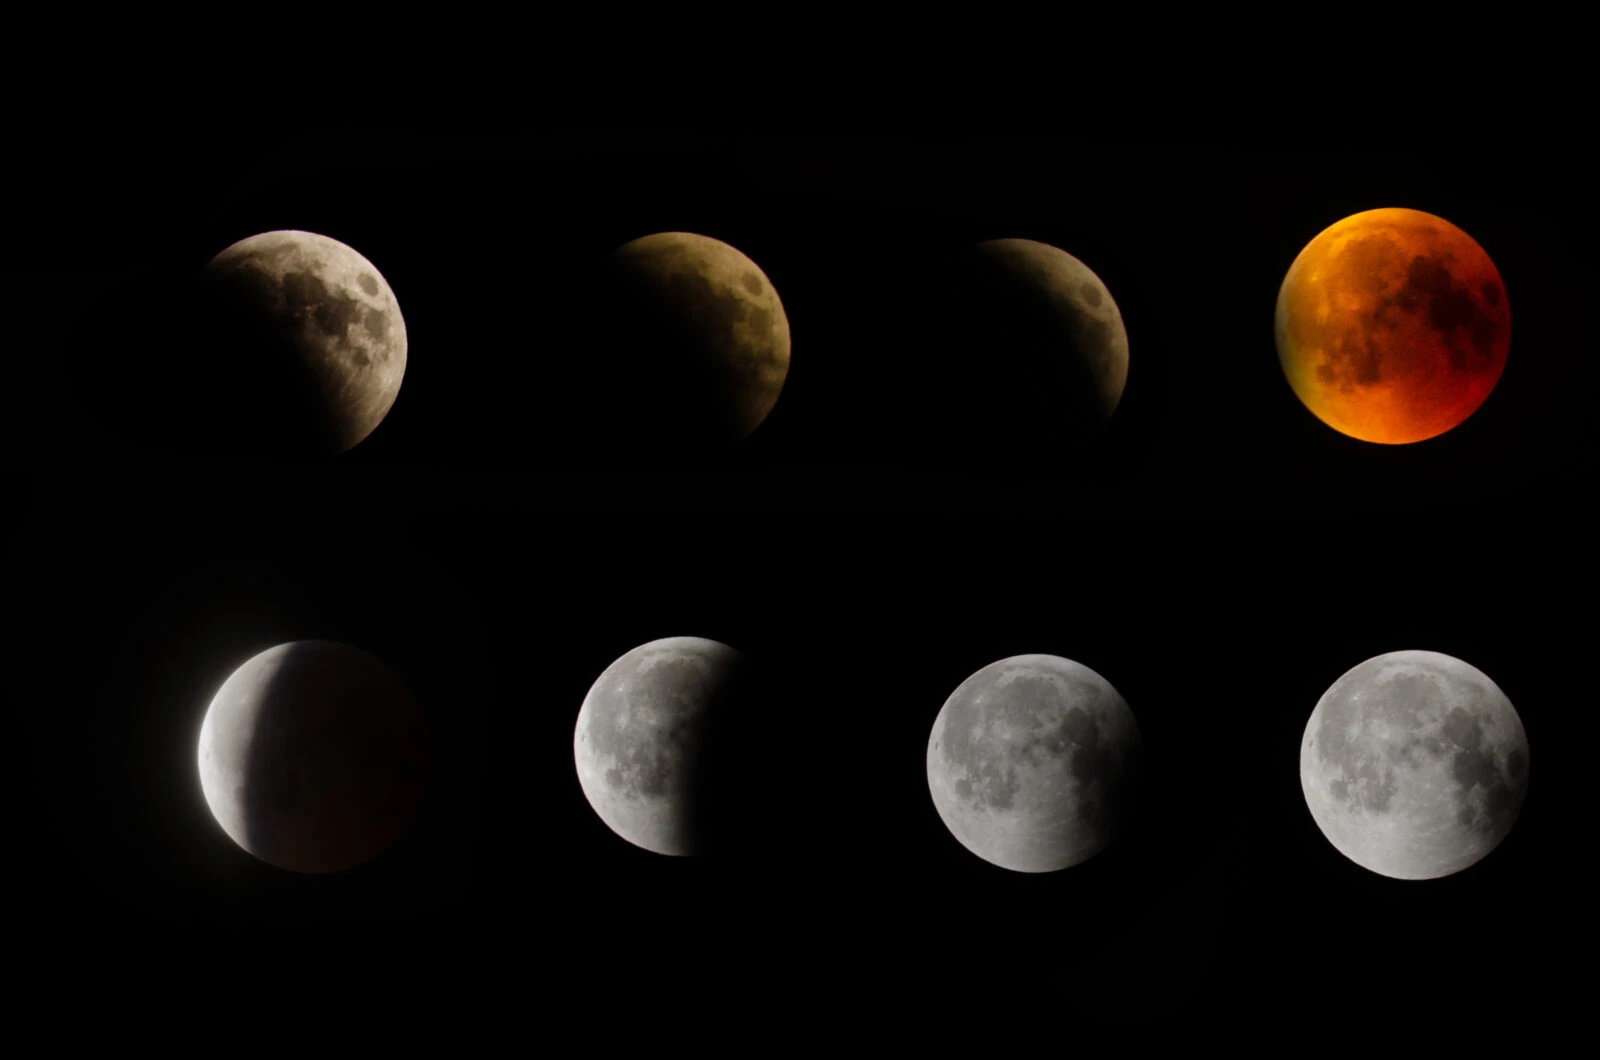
314 756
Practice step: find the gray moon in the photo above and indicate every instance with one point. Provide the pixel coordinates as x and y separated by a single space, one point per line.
312 335
728 329
314 756
1071 318
1414 765
640 736
1032 763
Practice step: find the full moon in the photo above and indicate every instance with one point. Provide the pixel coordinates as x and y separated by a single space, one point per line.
641 734
1414 765
1032 763
702 337
1393 326
1052 324
302 344
314 756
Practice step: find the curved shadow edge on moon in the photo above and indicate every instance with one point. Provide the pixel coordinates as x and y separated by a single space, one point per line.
314 757
703 329
1046 300
305 345
641 735
1414 765
1032 763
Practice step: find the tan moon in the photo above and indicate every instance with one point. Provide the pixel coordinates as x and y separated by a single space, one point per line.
1044 303
713 314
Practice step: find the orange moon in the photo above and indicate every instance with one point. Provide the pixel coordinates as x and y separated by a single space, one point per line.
1392 326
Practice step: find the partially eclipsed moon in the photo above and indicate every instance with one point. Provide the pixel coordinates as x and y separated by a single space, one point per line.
641 736
1392 326
1050 314
1031 763
1414 765
306 344
710 335
314 756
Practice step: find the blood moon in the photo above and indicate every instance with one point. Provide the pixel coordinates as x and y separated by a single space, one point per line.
1392 326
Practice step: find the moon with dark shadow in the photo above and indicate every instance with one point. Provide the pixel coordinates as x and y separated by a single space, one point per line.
1414 765
1050 331
1032 763
699 340
314 756
641 736
1392 326
299 346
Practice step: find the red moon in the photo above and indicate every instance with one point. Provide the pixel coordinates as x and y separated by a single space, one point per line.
1393 326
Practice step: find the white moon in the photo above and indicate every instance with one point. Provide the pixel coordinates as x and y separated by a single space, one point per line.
1030 762
314 756
1414 765
639 736
309 321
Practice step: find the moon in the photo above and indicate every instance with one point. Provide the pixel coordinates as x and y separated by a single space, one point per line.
1054 329
314 756
1392 326
702 337
1032 763
1414 765
303 344
641 736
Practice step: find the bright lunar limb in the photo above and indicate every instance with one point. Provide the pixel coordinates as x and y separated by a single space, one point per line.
1392 326
640 738
314 756
1032 762
708 336
304 344
1414 765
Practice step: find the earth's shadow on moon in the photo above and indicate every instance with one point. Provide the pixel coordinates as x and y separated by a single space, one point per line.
339 769
196 594
993 381
180 389
272 407
742 803
645 389
727 779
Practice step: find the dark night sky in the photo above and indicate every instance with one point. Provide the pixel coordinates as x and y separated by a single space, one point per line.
1220 556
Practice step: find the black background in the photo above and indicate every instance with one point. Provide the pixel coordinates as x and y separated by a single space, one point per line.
1219 555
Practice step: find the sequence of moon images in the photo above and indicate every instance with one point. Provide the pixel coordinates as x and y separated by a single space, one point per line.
1392 326
314 757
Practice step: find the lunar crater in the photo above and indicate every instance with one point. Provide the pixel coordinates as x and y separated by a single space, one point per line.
307 343
707 332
